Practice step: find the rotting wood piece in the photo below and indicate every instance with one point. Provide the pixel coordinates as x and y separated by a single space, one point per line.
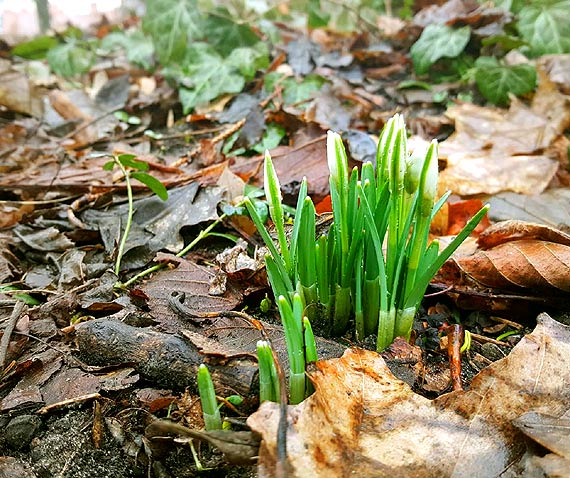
164 359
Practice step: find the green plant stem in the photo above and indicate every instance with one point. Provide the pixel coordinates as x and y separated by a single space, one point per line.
202 235
129 218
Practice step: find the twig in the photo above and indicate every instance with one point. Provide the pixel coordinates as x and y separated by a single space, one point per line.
489 340
216 139
454 341
16 312
85 125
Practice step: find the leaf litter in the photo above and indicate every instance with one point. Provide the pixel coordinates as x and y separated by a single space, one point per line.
364 421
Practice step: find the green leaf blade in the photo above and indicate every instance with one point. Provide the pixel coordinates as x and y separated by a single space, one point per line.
152 183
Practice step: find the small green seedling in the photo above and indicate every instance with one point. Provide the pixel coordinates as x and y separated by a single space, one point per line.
210 409
133 169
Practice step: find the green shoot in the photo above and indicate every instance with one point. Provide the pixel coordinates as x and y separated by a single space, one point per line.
210 410
268 379
133 169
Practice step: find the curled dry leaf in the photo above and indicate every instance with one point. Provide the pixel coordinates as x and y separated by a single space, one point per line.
518 254
364 422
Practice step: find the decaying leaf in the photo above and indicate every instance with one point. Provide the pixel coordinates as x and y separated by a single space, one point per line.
493 150
363 422
519 255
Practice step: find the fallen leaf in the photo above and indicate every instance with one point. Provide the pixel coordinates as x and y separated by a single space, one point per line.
363 422
528 264
514 230
549 207
494 150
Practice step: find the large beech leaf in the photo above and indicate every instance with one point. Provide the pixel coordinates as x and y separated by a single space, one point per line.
496 81
438 41
363 422
545 26
495 150
517 255
172 24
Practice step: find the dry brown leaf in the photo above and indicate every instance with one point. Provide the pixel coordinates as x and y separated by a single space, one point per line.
494 150
531 264
517 254
364 422
514 230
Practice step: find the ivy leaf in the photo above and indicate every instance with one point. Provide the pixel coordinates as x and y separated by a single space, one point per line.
138 48
172 24
205 76
316 17
545 26
225 35
296 92
496 81
152 183
249 60
70 59
438 41
35 49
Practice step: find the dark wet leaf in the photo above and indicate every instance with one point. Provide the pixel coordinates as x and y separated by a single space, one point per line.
438 41
239 108
156 223
302 54
360 146
114 93
45 240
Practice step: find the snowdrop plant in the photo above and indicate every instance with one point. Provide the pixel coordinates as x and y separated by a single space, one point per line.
376 261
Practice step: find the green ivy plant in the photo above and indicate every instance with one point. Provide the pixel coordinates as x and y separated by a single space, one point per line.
542 28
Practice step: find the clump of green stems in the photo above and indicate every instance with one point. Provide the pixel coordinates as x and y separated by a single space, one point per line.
283 269
376 262
210 409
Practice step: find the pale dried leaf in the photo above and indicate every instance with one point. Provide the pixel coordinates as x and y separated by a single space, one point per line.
363 422
494 150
